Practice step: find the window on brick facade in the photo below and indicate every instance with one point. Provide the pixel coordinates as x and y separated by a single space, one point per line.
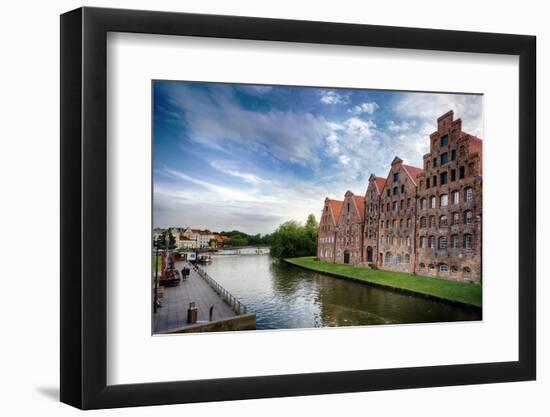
408 222
434 162
401 223
394 206
444 158
427 183
394 223
444 140
432 201
434 180
408 202
407 258
422 242
443 268
422 265
408 241
387 206
444 178
469 194
467 272
456 197
443 222
399 258
395 190
468 243
427 165
453 174
443 200
388 192
388 258
431 242
395 177
423 204
431 266
454 268
442 244
402 188
432 221
461 172
453 155
422 222
454 241
387 224
456 218
468 217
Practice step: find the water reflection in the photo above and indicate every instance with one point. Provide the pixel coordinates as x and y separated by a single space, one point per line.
284 297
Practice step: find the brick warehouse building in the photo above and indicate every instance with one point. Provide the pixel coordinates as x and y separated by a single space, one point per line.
422 221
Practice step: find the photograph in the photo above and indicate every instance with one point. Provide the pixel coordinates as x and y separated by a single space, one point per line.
281 207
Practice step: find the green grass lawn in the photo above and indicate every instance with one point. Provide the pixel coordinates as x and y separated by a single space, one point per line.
440 288
158 263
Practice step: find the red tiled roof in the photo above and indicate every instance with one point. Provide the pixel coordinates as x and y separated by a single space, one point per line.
336 207
412 171
360 202
184 238
380 183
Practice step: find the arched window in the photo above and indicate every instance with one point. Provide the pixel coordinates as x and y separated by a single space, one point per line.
409 222
443 268
394 223
431 266
422 265
443 222
432 242
456 197
468 217
442 244
423 203
443 200
388 258
454 268
422 242
399 259
467 272
469 194
408 241
407 258
422 222
432 221
432 201
468 243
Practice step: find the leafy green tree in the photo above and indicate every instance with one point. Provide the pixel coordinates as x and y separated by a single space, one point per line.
291 239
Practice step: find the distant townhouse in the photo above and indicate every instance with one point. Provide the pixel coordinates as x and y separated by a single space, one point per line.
349 230
421 221
327 230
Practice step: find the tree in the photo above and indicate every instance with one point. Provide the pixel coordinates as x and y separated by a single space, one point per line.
291 239
312 222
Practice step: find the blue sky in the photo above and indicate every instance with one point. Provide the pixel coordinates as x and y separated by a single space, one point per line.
246 157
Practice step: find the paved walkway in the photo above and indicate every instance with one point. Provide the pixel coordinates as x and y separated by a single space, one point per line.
173 313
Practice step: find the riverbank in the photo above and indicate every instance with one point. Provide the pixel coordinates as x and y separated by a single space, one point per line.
453 291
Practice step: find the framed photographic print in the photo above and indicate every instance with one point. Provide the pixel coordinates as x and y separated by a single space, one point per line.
258 207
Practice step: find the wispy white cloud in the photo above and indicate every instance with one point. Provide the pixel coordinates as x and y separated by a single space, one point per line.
332 97
217 119
427 107
368 108
400 127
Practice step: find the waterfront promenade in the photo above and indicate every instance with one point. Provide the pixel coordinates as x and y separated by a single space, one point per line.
173 313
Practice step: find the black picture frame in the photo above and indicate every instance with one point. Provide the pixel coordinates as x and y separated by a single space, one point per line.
84 207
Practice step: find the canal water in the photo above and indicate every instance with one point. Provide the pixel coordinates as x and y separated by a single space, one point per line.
287 297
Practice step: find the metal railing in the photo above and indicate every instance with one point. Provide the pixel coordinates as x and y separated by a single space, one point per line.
238 307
